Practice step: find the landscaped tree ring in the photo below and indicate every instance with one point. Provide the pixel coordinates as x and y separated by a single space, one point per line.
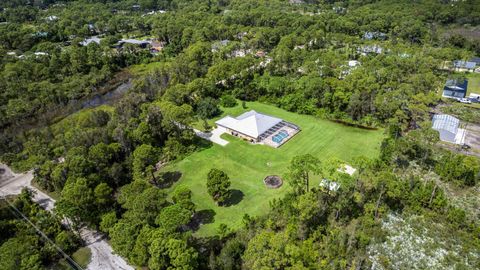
273 181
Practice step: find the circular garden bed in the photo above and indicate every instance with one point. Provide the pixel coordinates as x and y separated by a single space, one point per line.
273 181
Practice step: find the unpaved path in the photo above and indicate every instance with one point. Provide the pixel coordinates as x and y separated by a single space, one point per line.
103 257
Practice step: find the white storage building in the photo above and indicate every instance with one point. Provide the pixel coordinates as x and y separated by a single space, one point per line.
447 126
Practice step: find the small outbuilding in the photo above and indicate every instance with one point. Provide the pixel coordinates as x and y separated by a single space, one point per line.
448 127
461 65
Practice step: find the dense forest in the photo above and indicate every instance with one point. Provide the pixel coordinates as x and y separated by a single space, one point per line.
105 162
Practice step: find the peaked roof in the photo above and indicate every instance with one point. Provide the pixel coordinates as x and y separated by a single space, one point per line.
445 122
455 88
250 123
464 64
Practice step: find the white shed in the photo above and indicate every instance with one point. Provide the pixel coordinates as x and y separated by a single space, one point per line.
447 126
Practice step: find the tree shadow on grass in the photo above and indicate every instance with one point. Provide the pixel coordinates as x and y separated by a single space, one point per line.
236 196
168 178
202 144
205 216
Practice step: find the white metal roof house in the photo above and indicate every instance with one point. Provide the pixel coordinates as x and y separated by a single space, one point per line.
251 123
448 127
257 127
87 41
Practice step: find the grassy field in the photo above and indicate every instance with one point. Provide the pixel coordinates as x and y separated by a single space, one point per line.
82 256
473 83
248 164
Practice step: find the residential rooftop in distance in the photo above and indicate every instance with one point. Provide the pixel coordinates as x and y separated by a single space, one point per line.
455 88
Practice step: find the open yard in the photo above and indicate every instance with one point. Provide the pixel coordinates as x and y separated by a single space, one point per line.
248 164
473 83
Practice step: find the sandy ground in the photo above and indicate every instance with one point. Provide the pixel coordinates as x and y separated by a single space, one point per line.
103 257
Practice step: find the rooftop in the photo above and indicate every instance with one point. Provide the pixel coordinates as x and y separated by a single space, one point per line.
476 60
251 123
90 40
445 122
456 88
464 64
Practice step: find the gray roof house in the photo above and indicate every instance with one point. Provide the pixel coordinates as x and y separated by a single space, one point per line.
455 88
464 65
374 35
87 41
447 126
476 60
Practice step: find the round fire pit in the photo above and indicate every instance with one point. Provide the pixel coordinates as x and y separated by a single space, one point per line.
273 181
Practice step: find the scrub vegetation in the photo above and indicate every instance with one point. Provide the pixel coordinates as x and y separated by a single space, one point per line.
361 79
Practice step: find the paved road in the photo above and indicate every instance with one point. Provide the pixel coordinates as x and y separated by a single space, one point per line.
103 257
213 136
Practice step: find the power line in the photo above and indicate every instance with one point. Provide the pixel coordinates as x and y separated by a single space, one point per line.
72 263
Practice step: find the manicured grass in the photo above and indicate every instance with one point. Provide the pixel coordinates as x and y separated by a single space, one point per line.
82 256
248 164
473 83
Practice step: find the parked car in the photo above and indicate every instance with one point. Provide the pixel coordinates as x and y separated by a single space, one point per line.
465 146
464 100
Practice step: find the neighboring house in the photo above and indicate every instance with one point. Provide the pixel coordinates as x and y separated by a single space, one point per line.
326 184
461 65
374 35
140 43
448 127
257 127
216 46
51 18
241 35
474 97
260 54
40 54
240 53
353 63
370 49
157 46
87 41
476 60
455 88
40 34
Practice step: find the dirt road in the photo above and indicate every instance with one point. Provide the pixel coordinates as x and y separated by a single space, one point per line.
103 257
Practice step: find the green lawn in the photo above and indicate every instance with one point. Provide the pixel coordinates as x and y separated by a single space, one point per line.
473 83
248 164
473 87
82 256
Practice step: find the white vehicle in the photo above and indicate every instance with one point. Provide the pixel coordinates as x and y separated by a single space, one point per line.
464 100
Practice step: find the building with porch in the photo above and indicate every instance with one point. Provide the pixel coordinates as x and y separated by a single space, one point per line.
259 128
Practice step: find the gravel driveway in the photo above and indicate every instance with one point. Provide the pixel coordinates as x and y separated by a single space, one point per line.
103 257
